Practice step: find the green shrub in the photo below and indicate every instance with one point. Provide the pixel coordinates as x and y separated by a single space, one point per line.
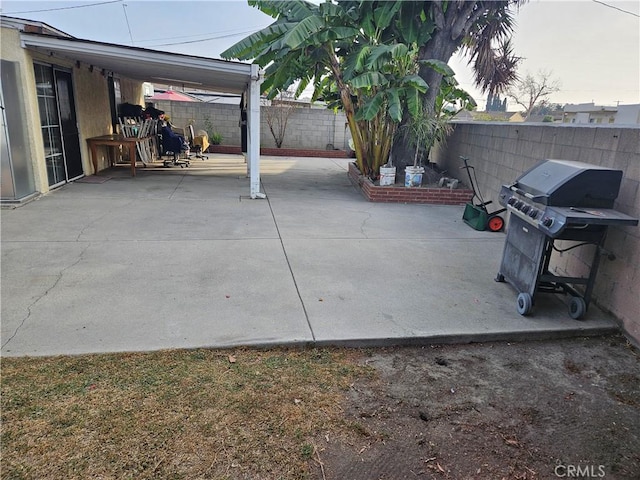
215 138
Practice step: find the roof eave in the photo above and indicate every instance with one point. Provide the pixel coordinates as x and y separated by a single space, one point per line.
129 61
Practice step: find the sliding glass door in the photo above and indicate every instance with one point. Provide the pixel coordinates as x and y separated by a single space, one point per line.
59 125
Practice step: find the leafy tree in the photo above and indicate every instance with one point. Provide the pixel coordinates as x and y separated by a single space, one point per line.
383 60
496 104
424 130
544 107
481 29
277 116
341 50
532 90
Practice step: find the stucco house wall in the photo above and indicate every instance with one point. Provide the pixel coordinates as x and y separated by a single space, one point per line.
93 109
91 97
11 50
502 152
131 91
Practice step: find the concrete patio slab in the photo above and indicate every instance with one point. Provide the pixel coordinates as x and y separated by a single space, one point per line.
182 258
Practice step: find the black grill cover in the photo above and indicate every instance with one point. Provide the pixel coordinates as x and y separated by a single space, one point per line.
571 184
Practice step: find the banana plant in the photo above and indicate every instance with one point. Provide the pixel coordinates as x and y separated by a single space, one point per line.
333 46
342 51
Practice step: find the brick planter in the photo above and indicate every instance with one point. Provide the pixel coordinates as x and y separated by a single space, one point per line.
402 194
281 152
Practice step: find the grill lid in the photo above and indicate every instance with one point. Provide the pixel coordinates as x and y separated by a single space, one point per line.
568 183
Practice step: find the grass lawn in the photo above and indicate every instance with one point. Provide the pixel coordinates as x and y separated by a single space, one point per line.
173 414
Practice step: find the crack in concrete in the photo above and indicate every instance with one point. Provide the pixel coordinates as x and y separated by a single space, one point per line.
98 219
37 300
364 222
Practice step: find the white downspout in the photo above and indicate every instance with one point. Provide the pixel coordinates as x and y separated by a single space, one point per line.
253 132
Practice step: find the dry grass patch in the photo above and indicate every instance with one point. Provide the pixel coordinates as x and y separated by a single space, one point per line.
173 414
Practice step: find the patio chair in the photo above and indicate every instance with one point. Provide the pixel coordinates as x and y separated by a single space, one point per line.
145 148
173 145
199 143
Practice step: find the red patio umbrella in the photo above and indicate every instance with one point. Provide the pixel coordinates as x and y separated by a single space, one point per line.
174 96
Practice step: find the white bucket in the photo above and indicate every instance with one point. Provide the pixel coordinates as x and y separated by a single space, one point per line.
387 176
413 176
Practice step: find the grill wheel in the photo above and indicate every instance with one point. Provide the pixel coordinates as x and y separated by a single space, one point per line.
524 303
577 308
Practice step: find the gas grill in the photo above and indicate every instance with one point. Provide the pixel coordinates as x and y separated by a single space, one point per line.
557 200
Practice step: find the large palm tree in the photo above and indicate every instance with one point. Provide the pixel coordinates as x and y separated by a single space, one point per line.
480 28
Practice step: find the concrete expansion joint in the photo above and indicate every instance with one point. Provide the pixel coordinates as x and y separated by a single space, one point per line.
177 187
46 292
291 272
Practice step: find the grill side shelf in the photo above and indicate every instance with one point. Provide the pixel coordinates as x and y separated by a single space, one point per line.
594 216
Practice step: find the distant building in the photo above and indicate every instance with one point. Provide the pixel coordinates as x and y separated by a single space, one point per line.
591 113
628 114
583 113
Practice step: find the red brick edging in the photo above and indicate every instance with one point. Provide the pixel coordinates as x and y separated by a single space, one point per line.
401 194
281 152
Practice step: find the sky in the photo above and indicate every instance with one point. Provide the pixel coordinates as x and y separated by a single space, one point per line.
591 47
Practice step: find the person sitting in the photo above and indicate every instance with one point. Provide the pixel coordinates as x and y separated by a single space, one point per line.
171 141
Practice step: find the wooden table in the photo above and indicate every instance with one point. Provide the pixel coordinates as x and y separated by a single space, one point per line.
115 141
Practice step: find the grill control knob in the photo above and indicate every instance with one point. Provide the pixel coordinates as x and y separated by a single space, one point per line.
525 208
547 222
511 201
517 204
533 213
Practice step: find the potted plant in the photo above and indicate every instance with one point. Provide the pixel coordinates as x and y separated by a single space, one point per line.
388 173
417 130
423 132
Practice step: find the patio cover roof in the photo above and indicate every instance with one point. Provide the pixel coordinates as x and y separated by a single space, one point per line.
145 64
155 66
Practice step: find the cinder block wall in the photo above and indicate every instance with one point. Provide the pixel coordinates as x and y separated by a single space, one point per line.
500 152
307 128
